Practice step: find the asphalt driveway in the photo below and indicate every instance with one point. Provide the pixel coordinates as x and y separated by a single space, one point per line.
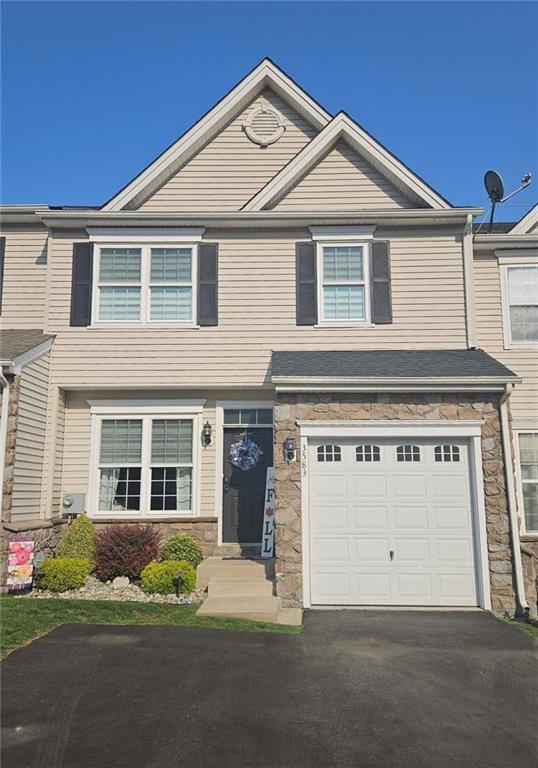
368 688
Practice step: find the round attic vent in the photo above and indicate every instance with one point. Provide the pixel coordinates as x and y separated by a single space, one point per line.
264 125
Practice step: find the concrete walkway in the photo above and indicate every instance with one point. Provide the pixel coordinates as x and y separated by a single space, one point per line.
364 689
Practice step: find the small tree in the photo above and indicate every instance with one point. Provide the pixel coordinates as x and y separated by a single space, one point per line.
79 540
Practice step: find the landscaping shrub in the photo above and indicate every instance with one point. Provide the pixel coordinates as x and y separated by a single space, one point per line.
182 547
124 550
79 539
159 577
62 573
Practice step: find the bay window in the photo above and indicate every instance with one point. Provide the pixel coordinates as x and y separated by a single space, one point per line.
144 464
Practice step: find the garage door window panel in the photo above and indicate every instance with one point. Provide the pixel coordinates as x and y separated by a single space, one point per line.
447 453
368 453
329 453
408 453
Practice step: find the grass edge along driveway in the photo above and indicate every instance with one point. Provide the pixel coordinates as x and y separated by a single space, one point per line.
25 619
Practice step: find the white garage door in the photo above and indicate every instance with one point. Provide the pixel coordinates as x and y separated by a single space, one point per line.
391 523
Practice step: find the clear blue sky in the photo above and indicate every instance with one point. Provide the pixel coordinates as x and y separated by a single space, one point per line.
92 92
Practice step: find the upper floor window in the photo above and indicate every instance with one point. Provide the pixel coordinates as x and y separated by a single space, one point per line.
521 303
344 283
146 284
528 463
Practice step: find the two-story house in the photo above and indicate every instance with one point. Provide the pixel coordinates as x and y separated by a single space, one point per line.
276 283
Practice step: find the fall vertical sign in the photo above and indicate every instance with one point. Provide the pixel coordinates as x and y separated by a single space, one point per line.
268 535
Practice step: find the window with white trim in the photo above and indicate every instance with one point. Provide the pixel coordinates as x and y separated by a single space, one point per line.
521 303
146 284
528 464
145 465
368 453
343 283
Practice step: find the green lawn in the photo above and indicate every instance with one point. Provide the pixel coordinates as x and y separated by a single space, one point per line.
531 629
23 620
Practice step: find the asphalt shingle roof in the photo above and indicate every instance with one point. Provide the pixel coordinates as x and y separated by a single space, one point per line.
391 364
15 342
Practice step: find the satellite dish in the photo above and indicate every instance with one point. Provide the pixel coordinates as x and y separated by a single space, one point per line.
494 186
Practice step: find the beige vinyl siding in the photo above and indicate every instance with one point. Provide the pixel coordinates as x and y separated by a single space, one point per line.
76 461
342 181
25 274
490 337
257 315
30 441
226 173
54 445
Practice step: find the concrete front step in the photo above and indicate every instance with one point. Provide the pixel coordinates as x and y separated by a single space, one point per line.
239 587
259 608
232 569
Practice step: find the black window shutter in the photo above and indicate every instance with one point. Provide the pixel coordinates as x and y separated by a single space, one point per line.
2 252
306 284
381 299
208 284
81 284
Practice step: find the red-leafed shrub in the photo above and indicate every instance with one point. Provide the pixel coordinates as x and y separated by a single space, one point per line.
125 550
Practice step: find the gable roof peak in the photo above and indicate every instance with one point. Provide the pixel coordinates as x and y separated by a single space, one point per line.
342 126
527 222
264 74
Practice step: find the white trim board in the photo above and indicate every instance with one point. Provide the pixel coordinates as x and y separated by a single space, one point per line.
145 234
266 74
342 127
470 430
525 224
17 364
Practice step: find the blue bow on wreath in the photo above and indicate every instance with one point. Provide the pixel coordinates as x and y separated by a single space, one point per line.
245 454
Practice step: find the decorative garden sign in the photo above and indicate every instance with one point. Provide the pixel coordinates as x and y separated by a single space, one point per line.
20 564
268 535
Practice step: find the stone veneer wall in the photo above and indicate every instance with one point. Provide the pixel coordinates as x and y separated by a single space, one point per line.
201 529
330 406
7 490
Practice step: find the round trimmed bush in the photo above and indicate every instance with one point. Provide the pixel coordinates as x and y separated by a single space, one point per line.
79 539
62 573
159 577
182 547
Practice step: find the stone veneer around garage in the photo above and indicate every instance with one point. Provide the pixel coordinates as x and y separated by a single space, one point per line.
330 406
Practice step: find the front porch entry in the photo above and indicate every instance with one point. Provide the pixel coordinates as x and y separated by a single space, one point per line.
243 492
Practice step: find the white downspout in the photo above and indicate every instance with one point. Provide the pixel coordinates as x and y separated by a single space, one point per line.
4 383
468 283
523 606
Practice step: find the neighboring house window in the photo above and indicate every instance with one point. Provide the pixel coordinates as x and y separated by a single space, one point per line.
145 466
521 303
528 462
343 283
146 284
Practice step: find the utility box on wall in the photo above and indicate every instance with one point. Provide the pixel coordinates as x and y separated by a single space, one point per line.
73 503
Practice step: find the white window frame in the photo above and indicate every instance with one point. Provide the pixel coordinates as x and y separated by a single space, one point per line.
519 479
504 265
145 284
147 412
321 282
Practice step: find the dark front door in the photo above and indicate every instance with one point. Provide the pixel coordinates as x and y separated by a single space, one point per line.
244 492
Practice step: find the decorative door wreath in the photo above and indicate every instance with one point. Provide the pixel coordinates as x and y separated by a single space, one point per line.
245 454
